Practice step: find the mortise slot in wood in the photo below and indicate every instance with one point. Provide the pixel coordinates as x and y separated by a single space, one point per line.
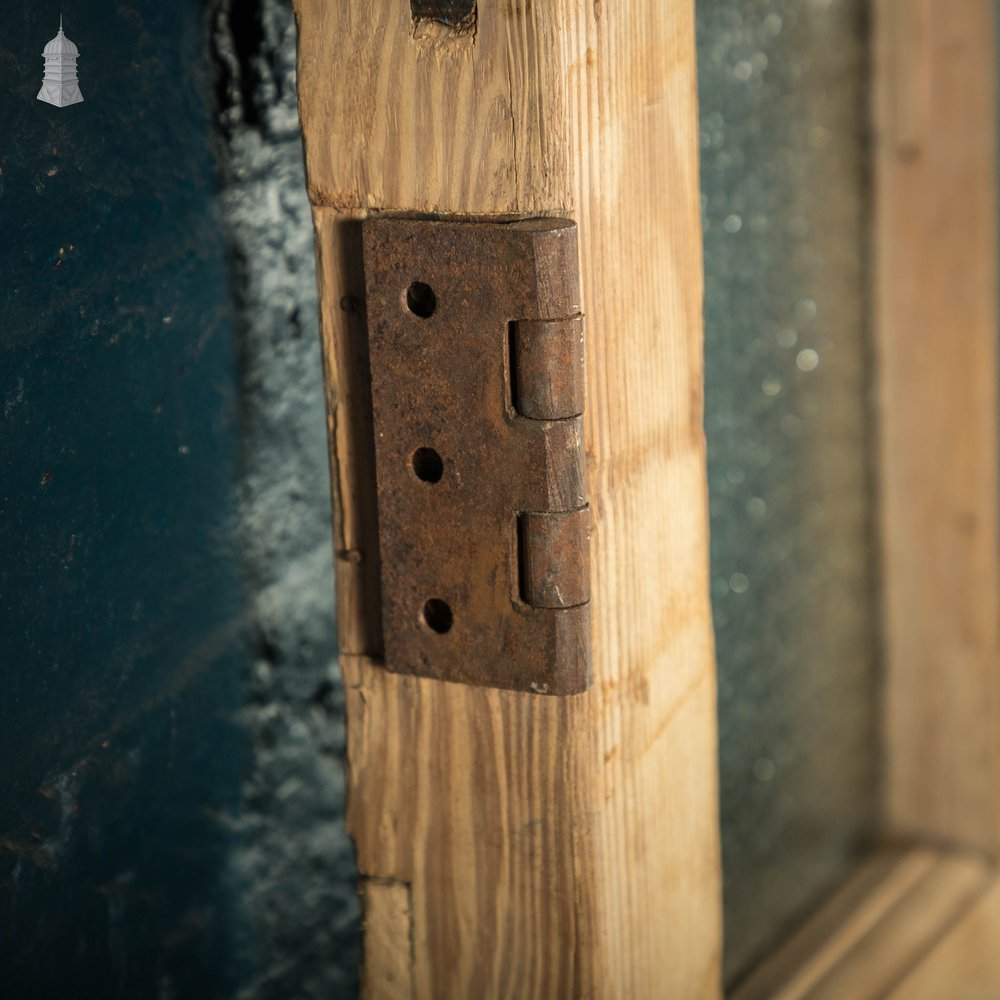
459 15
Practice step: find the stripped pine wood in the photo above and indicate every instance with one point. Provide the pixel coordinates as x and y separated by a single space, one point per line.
550 847
874 930
965 962
939 435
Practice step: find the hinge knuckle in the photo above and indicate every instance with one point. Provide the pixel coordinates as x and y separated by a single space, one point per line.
548 368
555 549
553 474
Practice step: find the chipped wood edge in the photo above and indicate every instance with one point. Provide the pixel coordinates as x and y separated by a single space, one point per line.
387 969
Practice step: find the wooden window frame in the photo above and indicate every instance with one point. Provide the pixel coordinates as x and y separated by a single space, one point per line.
517 845
916 919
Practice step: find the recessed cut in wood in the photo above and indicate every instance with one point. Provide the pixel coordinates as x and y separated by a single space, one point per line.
460 15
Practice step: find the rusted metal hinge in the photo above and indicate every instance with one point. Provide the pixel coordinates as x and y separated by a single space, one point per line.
476 345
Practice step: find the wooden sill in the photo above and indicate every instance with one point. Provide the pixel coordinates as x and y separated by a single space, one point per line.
873 931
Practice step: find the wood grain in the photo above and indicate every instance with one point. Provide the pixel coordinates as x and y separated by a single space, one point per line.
874 930
939 436
966 961
553 847
388 929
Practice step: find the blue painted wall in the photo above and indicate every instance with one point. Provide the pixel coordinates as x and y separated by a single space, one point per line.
129 633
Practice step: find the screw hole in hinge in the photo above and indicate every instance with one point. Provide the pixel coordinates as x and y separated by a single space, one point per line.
428 465
437 616
421 300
